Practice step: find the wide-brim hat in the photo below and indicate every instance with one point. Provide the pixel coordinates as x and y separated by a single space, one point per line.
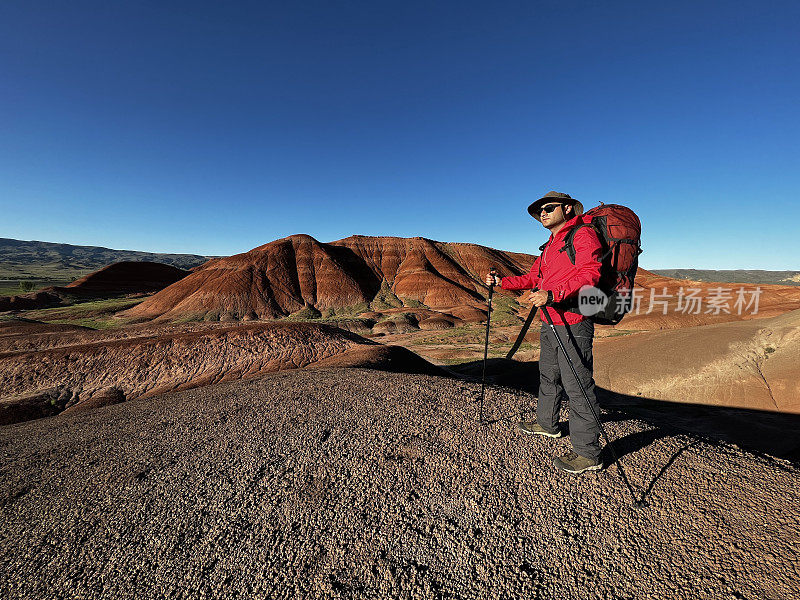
535 209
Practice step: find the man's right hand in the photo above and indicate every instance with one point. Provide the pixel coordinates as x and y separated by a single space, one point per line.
493 280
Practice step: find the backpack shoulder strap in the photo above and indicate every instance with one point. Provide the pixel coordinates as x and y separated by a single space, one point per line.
569 240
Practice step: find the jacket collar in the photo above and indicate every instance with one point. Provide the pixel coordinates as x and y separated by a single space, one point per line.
565 229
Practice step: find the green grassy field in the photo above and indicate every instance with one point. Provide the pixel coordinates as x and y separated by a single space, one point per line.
14 288
13 275
95 314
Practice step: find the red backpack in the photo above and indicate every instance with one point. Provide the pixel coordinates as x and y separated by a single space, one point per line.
619 230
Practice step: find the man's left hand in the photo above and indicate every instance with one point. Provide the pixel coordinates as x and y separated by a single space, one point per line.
538 298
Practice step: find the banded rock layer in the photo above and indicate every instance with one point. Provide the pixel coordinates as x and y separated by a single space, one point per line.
298 272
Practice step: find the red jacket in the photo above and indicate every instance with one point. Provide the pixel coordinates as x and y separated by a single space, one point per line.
559 275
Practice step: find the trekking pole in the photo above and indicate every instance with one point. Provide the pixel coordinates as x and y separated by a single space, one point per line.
636 503
492 272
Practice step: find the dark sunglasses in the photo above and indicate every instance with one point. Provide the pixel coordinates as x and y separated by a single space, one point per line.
549 208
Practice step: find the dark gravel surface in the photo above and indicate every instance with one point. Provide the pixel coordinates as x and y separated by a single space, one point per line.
356 483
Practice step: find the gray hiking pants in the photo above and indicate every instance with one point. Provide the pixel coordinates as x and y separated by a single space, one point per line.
555 376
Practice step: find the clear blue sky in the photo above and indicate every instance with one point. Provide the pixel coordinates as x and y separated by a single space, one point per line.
214 127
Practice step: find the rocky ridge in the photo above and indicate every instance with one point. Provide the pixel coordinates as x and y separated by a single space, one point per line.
84 370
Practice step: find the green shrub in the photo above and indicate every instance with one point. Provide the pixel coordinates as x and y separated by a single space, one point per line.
504 310
385 298
307 313
412 303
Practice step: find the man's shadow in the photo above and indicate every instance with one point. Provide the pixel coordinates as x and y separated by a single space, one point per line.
761 432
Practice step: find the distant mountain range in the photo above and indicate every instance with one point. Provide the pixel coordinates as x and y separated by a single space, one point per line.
34 260
755 276
48 261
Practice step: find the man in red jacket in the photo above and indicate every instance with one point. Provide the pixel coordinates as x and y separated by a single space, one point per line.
556 281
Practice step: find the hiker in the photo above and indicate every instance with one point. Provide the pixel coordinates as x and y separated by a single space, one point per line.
556 281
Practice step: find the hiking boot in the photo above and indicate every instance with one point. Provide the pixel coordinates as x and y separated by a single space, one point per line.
574 463
536 429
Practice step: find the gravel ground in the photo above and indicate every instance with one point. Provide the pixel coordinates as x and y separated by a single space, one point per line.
357 483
